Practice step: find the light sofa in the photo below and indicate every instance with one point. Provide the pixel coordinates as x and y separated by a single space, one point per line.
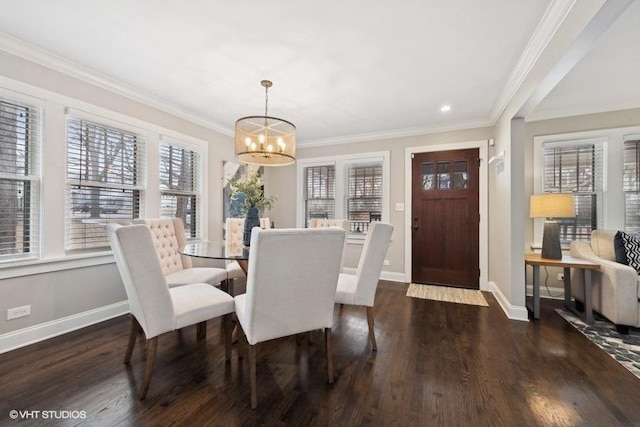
616 294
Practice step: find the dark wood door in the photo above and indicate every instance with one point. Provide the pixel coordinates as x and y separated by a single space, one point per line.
445 218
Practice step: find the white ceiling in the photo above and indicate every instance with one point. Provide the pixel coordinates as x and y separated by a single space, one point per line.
606 79
340 69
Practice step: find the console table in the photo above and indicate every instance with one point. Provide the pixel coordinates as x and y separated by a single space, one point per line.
567 263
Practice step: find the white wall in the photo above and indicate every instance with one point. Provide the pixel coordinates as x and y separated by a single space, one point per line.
282 183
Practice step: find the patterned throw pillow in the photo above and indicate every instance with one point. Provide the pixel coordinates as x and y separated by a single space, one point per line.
618 247
632 249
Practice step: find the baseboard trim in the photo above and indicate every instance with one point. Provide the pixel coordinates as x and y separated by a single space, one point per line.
33 334
391 276
558 293
513 312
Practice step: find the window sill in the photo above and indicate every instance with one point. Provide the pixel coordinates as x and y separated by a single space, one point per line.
11 269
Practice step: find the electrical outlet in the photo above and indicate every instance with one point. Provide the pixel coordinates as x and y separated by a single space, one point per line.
560 277
399 207
385 262
16 312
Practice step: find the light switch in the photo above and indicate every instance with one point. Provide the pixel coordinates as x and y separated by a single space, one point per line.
399 207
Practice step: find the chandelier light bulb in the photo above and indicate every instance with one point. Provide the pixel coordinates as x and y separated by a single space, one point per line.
247 142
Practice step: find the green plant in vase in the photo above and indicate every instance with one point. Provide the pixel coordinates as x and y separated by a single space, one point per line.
248 192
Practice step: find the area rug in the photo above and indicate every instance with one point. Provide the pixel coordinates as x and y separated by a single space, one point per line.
447 294
624 348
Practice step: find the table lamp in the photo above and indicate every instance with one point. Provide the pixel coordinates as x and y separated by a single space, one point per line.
550 206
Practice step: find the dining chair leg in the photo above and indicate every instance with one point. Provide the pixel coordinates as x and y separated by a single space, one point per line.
133 336
242 340
202 331
372 335
152 349
329 349
252 376
228 331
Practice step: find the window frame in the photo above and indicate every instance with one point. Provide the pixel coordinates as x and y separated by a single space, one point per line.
632 138
596 149
33 177
340 162
611 204
137 187
195 192
54 108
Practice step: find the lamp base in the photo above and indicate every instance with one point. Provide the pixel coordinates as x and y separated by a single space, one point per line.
551 241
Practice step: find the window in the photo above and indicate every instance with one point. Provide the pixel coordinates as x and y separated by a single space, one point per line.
179 185
105 172
364 195
320 192
631 185
354 187
19 180
578 169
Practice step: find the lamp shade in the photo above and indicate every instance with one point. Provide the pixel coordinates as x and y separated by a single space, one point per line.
552 205
263 140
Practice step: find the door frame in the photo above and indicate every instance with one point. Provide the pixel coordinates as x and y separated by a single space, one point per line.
483 238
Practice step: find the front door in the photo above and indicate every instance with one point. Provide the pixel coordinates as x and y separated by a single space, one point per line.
446 218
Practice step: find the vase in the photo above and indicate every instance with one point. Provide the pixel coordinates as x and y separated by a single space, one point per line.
252 219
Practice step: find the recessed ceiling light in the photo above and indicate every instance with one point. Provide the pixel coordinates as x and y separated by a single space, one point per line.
445 108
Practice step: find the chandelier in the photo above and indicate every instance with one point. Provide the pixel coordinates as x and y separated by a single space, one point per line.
264 140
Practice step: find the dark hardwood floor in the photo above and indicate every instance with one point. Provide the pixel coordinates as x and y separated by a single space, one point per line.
437 364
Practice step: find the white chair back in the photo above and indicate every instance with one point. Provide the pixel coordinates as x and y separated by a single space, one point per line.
371 261
147 290
324 223
234 228
168 237
291 282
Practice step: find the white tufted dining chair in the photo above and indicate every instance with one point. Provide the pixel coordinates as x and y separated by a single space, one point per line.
155 308
342 223
360 289
168 238
234 229
291 286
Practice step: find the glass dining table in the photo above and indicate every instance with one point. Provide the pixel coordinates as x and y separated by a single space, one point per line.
218 249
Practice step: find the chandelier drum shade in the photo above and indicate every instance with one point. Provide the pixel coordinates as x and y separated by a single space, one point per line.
265 140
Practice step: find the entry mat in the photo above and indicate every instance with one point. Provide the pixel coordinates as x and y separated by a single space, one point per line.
447 294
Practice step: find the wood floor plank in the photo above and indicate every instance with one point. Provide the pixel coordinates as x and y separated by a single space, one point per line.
437 364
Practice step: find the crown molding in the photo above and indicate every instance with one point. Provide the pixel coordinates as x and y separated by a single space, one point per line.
393 134
559 113
551 21
47 59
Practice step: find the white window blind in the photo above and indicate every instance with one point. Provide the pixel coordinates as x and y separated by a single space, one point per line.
363 198
576 169
20 130
319 192
180 170
631 185
105 179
